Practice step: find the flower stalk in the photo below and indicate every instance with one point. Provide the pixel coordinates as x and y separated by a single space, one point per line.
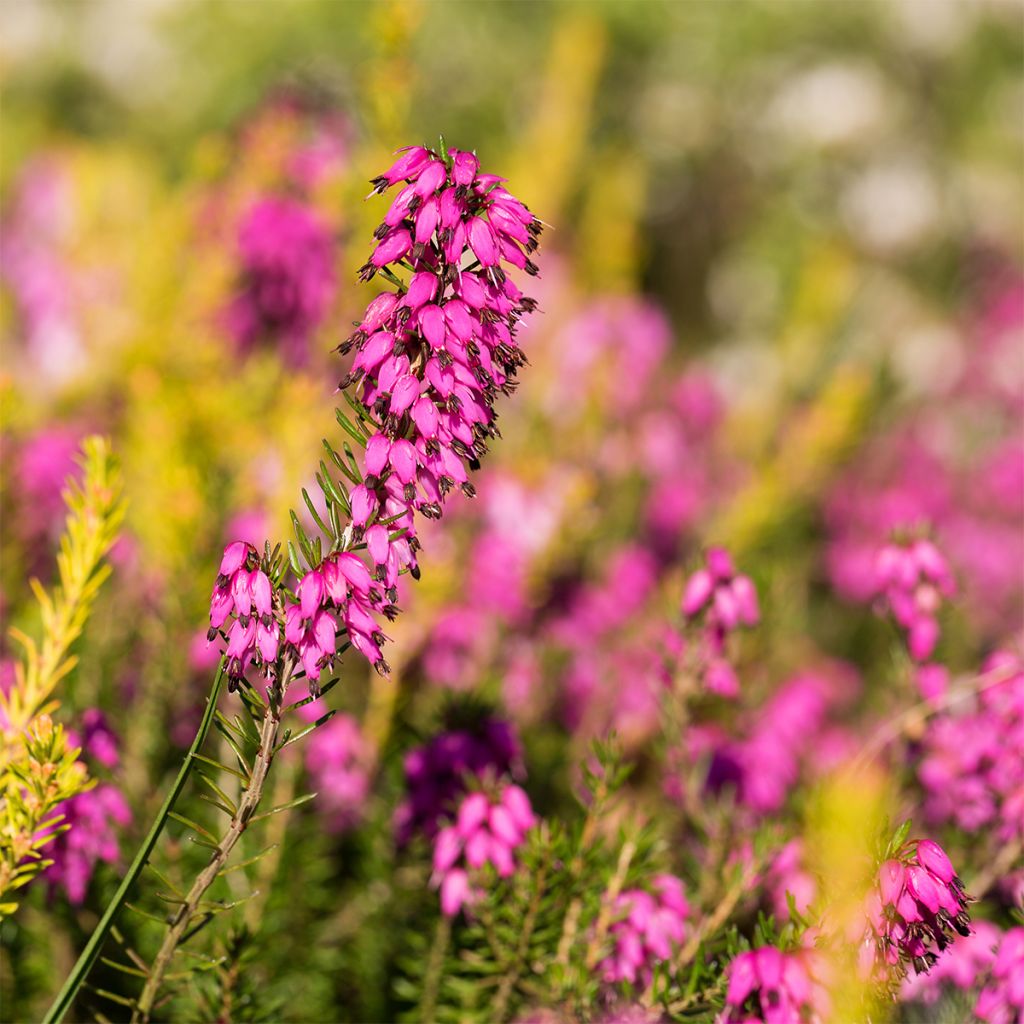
185 917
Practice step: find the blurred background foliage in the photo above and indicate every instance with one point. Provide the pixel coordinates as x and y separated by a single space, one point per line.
819 198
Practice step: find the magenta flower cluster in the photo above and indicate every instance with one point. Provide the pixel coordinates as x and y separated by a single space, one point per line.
775 987
648 928
724 600
286 266
912 580
431 357
341 587
915 909
971 767
243 594
487 830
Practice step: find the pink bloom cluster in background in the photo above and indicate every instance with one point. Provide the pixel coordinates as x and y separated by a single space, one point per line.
913 579
971 763
787 877
795 733
936 467
623 339
95 816
336 758
486 831
648 928
287 279
1001 1001
918 904
723 600
775 987
438 774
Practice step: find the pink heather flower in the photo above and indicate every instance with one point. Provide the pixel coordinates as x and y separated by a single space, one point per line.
430 360
769 985
287 280
912 579
723 600
487 832
438 774
914 910
648 929
1002 999
244 594
336 759
971 768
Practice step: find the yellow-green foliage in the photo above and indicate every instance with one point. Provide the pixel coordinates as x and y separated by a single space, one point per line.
38 769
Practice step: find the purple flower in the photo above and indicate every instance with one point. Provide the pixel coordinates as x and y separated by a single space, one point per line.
438 774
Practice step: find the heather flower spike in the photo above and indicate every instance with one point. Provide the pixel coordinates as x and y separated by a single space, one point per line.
430 359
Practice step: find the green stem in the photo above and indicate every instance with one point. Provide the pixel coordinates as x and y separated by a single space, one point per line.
62 1003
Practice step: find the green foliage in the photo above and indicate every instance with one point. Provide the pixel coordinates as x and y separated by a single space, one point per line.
536 940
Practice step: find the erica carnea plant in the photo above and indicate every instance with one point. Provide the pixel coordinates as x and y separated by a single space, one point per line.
431 356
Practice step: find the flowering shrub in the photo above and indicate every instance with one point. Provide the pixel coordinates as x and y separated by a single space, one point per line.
708 708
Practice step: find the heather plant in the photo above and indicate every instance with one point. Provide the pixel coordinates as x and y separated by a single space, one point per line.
431 357
708 707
